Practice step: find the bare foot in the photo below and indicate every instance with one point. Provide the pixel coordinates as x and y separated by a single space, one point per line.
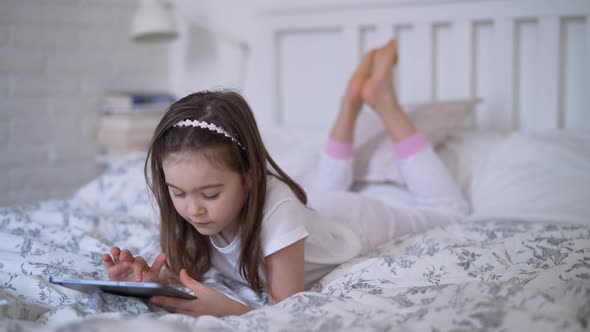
378 88
360 75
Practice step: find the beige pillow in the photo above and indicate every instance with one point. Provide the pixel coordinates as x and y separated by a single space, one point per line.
375 159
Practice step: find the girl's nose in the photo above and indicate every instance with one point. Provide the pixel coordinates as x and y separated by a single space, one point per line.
197 210
201 211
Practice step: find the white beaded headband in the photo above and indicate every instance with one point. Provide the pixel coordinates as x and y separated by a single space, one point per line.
208 126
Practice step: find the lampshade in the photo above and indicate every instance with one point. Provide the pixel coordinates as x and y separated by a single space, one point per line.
154 22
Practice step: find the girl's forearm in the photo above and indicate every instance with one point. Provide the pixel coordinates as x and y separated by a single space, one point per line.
234 308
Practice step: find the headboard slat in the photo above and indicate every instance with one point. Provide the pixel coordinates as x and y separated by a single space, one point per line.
548 80
483 57
529 60
420 63
351 36
502 96
574 102
463 59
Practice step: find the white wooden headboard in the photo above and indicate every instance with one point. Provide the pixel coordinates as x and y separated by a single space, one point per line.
529 60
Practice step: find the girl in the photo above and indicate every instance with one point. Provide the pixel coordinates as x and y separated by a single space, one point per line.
225 203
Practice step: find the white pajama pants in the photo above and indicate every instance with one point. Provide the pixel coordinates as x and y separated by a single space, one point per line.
437 198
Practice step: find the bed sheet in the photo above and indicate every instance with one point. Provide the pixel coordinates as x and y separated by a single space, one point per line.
486 274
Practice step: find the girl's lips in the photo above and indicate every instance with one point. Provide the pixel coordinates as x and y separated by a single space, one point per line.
201 223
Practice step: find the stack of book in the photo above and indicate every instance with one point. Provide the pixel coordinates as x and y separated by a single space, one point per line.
127 120
126 102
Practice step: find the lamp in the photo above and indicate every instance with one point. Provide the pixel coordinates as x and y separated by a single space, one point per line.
154 22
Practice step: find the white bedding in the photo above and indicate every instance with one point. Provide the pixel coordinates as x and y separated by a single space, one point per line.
544 177
502 272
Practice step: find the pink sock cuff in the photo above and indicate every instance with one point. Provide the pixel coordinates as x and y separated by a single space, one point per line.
410 145
338 149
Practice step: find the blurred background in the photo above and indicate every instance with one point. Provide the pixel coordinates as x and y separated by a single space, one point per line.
83 82
63 63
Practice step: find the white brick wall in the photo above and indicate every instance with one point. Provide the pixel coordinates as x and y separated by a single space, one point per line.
57 58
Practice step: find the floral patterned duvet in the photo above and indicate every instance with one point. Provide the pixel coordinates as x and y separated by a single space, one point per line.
485 275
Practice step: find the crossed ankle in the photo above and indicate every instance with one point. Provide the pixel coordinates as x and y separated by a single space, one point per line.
349 106
388 104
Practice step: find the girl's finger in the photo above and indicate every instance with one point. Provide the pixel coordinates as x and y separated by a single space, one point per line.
108 261
189 282
178 311
118 270
158 263
126 256
139 266
115 251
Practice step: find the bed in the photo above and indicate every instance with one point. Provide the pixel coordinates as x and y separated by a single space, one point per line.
521 260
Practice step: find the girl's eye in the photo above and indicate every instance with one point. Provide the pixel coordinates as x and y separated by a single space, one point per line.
210 196
178 194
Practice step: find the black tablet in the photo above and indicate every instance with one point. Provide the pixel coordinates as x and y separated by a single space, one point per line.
142 290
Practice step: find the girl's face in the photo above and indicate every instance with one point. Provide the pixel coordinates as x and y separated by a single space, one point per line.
207 195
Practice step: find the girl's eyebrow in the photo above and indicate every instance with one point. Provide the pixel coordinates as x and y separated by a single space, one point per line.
200 188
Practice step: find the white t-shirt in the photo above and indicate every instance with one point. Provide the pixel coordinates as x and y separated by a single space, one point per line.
342 224
285 221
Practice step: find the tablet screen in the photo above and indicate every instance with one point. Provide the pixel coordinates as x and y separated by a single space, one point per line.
142 290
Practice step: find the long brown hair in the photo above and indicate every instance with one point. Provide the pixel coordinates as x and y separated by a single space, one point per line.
183 245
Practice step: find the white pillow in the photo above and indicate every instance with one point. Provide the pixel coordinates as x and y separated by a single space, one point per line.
464 152
375 159
536 177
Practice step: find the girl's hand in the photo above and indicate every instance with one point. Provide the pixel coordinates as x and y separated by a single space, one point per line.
122 266
209 301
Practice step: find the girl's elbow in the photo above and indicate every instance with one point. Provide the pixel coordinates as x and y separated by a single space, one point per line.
276 298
